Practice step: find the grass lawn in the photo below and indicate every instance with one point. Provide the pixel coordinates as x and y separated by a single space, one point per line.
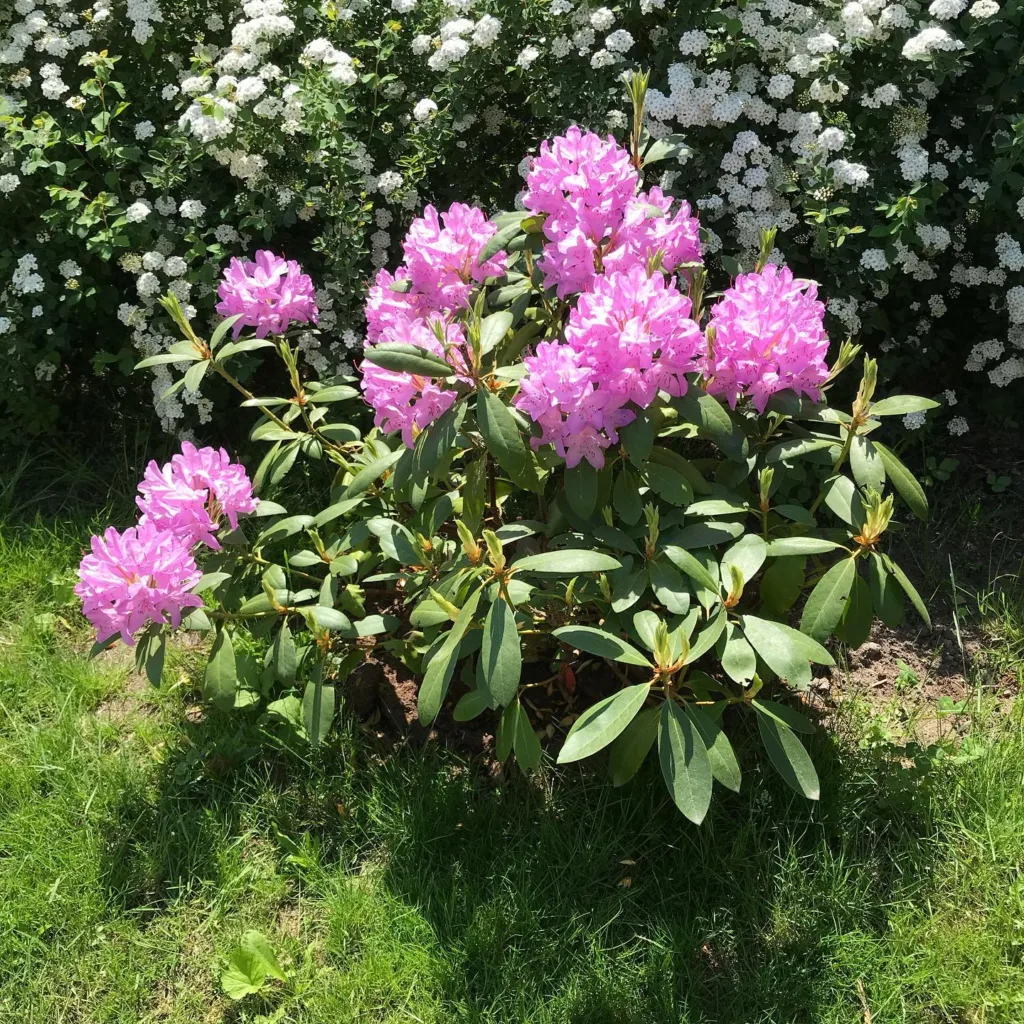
141 837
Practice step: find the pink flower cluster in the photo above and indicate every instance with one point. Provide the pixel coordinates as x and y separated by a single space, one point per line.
628 338
404 401
440 270
595 220
769 337
146 573
270 294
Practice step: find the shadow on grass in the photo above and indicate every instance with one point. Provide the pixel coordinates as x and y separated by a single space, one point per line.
558 898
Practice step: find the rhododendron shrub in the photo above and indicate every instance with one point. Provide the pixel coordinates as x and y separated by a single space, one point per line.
630 490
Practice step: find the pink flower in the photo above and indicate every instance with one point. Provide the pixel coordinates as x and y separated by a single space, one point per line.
191 494
270 294
769 337
133 578
643 232
636 333
442 261
407 402
385 305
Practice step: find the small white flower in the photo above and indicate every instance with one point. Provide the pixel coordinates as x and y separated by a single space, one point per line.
527 56
191 209
145 130
423 109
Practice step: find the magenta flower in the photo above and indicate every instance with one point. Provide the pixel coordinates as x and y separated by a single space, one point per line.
270 294
191 495
134 578
385 306
403 401
769 337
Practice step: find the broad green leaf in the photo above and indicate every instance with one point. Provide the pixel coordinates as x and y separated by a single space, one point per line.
905 482
736 655
786 546
645 623
886 597
284 658
504 440
603 722
221 679
900 405
797 446
778 650
470 705
713 421
638 439
668 484
234 348
632 745
566 562
669 587
786 715
682 559
705 535
722 758
497 242
194 375
856 622
168 357
782 583
501 661
254 942
866 464
396 541
747 554
627 588
909 589
599 642
626 496
284 528
684 762
368 474
405 358
335 393
506 732
716 507
317 711
525 741
439 670
328 618
708 637
245 975
581 489
150 652
789 756
843 498
493 329
825 606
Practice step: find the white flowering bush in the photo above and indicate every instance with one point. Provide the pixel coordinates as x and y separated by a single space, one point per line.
145 141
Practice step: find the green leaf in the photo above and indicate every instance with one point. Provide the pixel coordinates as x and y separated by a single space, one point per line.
284 657
866 464
506 732
713 422
335 393
599 642
255 943
905 483
405 358
706 535
493 329
856 623
627 588
501 660
168 357
317 711
737 656
149 654
221 679
786 715
885 592
525 742
504 441
632 745
566 562
669 484
234 348
626 496
789 756
396 541
245 975
684 762
682 559
909 589
471 704
194 375
747 554
786 546
581 489
366 476
722 758
603 722
439 670
782 583
797 446
645 623
716 507
827 601
900 405
669 587
843 498
329 618
707 637
497 242
637 438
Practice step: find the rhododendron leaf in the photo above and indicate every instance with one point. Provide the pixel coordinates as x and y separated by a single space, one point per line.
789 756
866 464
501 660
374 625
368 474
632 745
705 535
684 762
284 658
525 741
506 732
905 483
782 583
470 705
638 439
668 484
602 722
795 513
627 588
396 541
626 496
270 431
669 587
707 637
713 422
736 655
693 568
335 393
785 715
269 508
317 711
287 527
885 592
827 601
168 357
473 489
784 546
194 375
855 626
670 147
221 678
428 613
747 554
797 446
599 642
843 498
909 589
221 330
504 440
497 242
900 405
581 489
405 358
507 295
611 537
567 562
716 507
234 348
493 329
645 623
439 669
275 465
328 618
722 758
150 649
